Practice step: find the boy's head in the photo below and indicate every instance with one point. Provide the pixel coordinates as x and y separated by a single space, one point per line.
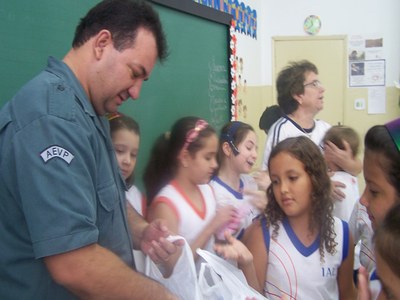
269 117
339 133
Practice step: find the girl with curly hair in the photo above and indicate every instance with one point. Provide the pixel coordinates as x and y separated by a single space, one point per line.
300 250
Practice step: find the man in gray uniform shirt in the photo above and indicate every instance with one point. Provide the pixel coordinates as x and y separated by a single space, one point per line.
65 231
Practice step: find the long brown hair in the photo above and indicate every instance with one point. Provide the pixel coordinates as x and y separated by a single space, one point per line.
163 162
305 150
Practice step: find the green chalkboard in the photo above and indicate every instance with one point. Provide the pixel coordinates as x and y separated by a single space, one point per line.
195 79
31 31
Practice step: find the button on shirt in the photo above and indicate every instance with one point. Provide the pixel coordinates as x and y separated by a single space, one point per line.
60 188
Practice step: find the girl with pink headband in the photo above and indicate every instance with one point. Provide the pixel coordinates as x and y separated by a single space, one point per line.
176 180
382 191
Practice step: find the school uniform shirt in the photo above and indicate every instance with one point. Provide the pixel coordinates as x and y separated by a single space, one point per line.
362 232
344 208
225 195
136 199
296 271
60 184
191 220
285 128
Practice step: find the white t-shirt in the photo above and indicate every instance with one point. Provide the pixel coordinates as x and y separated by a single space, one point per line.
362 232
296 271
191 221
225 195
343 208
285 128
138 202
136 199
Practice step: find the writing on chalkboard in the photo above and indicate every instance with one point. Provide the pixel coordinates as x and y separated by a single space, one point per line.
218 92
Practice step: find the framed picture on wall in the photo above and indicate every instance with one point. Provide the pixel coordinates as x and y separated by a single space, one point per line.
367 73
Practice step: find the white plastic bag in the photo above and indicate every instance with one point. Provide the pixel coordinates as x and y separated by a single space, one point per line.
183 280
140 259
218 279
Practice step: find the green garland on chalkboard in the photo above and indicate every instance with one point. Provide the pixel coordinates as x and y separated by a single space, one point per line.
233 71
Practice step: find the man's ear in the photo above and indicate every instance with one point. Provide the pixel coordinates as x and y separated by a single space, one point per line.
101 41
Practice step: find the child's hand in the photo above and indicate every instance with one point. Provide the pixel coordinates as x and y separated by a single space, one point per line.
226 219
258 199
155 243
262 179
363 290
235 250
225 214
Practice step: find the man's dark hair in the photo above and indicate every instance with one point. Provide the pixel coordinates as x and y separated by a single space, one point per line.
122 18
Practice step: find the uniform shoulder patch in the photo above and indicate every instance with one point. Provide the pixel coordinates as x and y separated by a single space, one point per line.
57 151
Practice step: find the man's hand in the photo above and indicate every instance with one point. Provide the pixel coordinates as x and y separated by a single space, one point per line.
337 155
154 242
343 158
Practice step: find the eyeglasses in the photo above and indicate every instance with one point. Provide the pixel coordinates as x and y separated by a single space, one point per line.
316 83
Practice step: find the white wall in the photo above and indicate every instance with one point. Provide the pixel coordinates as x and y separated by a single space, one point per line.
340 17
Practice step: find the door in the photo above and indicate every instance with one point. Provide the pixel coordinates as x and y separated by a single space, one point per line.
329 55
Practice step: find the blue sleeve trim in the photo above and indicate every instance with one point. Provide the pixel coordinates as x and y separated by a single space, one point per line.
265 230
346 238
240 235
374 276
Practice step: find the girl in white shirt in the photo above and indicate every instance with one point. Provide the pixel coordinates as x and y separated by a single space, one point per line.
232 183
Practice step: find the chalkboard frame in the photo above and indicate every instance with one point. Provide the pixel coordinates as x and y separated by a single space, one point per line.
191 7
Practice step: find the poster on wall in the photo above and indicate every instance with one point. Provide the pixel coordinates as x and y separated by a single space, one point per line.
367 73
376 100
367 65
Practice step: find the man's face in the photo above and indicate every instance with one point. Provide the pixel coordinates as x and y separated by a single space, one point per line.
120 75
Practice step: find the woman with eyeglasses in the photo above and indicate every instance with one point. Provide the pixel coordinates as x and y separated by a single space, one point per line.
301 98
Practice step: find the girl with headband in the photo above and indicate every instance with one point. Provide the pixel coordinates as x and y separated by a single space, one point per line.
382 180
176 179
232 183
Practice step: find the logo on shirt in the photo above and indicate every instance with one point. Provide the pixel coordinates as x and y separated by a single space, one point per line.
57 151
329 272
